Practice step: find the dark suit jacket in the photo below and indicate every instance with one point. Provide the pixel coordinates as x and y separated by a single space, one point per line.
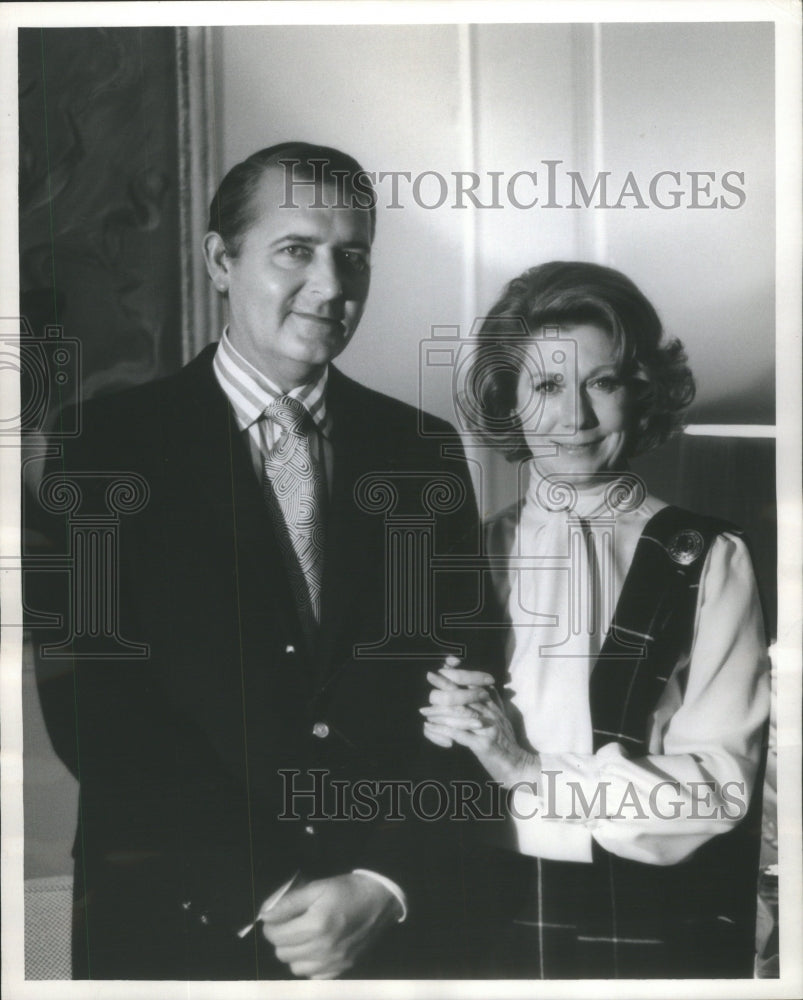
180 754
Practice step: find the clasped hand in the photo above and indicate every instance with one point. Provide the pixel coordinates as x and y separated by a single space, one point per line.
465 708
320 929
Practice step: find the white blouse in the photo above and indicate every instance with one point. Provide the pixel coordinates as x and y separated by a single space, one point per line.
704 736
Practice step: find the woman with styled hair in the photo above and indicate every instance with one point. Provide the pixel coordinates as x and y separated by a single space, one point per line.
629 731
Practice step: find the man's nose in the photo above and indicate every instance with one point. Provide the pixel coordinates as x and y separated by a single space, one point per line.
324 278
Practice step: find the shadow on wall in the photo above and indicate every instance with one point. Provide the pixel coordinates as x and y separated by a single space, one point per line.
729 477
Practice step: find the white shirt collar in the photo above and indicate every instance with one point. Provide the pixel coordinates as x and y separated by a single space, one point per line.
250 391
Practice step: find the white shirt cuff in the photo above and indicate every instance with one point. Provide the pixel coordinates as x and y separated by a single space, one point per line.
391 886
545 838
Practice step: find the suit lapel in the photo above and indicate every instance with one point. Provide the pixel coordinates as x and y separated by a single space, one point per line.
216 465
354 537
225 496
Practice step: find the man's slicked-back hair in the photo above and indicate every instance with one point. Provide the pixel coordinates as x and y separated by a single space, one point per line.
231 210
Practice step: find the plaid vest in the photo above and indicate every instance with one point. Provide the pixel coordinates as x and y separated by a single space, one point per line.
652 626
706 904
617 918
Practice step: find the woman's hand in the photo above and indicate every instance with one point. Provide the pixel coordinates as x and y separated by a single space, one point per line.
465 708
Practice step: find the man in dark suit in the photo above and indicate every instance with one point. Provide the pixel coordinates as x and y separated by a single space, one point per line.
263 584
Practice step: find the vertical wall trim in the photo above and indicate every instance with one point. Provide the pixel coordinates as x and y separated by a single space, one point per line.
591 241
201 314
467 61
598 132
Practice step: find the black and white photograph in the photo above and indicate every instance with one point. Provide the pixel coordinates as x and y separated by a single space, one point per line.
401 499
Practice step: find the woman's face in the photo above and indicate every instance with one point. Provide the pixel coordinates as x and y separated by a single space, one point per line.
573 405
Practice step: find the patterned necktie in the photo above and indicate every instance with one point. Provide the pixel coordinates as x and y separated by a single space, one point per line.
294 492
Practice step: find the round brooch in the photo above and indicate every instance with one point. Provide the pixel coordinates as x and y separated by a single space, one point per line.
685 546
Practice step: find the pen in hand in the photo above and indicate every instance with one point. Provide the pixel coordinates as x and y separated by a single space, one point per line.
270 902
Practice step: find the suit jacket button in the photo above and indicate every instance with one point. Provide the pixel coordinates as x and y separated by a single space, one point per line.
321 730
204 918
309 830
289 649
186 904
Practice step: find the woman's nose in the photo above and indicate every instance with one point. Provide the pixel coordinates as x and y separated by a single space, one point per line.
586 415
577 411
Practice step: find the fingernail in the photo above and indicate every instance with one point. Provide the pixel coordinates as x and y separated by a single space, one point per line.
452 661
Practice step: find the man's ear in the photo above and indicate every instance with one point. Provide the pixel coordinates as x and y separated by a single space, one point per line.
217 261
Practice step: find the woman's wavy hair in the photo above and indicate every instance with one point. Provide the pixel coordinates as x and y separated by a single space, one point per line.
564 294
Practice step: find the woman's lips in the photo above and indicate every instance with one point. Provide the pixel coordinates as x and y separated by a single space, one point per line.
578 448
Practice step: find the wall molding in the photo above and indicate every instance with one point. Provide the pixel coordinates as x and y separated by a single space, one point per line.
588 132
732 430
201 309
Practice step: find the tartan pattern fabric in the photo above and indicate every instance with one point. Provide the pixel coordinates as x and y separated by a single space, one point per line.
616 918
652 626
562 927
294 491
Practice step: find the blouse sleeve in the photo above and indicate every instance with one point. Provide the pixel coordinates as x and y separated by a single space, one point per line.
705 743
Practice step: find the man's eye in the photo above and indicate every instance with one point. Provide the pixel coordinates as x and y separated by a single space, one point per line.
296 251
359 262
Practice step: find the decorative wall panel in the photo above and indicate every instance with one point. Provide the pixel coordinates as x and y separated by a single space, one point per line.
98 187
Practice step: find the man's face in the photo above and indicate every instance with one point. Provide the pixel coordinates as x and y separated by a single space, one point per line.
298 286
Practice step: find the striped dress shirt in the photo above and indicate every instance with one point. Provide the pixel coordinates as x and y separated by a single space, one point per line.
250 393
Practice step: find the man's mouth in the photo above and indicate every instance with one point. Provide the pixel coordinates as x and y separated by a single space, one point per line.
330 322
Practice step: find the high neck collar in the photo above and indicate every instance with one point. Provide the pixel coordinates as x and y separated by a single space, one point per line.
608 496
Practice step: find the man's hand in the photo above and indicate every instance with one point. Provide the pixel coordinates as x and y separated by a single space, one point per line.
322 928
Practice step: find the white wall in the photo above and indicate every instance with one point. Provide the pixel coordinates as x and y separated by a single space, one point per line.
390 97
629 97
701 97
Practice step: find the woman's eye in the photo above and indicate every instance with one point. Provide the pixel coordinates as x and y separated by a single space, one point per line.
548 386
606 383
